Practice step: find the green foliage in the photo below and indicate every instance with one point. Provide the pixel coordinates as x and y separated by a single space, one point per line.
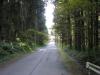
7 47
76 26
70 63
7 50
22 26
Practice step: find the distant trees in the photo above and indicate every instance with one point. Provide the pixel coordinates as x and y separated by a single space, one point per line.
76 23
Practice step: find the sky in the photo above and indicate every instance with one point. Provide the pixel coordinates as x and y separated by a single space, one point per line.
49 9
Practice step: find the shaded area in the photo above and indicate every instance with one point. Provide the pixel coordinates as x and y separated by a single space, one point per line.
45 61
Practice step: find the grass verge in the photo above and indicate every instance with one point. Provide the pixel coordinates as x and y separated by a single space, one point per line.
72 66
15 56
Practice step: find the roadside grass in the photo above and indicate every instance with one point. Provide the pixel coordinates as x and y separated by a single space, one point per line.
71 64
7 57
11 57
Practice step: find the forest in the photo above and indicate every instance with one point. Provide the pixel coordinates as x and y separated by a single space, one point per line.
77 28
22 27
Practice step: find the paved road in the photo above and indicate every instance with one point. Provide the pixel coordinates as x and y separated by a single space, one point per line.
45 61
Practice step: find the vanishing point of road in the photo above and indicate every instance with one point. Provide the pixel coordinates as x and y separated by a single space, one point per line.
45 61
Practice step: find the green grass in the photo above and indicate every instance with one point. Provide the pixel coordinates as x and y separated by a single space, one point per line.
10 57
5 56
71 65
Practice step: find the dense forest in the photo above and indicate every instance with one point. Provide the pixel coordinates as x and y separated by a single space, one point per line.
77 28
76 32
22 26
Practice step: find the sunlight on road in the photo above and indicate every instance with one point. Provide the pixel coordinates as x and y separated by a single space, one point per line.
52 43
50 46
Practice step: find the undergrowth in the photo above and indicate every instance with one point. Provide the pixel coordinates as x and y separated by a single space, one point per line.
11 50
70 63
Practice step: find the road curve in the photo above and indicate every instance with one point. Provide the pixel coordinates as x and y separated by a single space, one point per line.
45 61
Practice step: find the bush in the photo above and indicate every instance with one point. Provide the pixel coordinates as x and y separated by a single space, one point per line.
6 47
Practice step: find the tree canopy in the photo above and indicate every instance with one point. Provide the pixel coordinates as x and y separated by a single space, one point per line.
22 25
77 26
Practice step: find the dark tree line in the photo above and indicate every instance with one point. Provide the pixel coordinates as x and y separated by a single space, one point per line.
22 24
77 26
17 16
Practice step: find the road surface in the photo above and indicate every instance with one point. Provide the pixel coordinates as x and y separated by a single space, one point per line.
45 61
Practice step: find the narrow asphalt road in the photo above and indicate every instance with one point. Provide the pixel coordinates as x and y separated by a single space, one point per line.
45 61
